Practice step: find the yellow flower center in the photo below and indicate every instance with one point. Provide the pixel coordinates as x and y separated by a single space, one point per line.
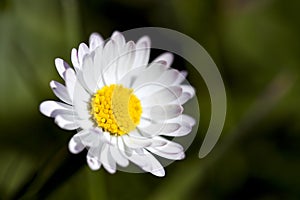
116 109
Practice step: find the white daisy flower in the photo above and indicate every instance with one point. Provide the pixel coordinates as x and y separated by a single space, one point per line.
123 107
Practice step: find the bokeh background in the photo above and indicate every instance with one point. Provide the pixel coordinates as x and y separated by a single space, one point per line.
256 46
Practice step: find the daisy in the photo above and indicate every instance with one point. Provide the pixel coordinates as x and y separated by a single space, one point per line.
124 108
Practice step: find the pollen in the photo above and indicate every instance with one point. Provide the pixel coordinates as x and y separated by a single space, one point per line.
116 109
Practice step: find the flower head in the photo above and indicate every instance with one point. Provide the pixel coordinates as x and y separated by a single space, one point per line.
123 107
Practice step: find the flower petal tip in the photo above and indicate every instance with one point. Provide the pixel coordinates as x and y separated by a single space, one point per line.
75 147
93 163
158 172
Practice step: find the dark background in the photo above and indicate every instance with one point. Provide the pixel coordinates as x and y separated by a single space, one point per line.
256 46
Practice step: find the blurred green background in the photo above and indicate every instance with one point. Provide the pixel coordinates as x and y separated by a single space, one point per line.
255 44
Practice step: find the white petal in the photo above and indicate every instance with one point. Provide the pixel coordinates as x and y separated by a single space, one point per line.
82 111
109 63
67 122
125 60
74 59
106 159
142 52
61 67
170 147
180 78
130 78
70 81
162 112
123 54
77 136
166 57
88 74
166 154
182 118
148 163
123 148
144 122
93 157
150 74
147 90
93 163
60 91
183 98
135 133
186 123
138 159
83 50
136 142
75 146
188 119
95 41
158 143
62 112
160 128
47 107
184 129
155 168
81 102
118 157
187 93
86 123
188 89
163 96
106 136
98 66
119 40
169 77
88 138
68 116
